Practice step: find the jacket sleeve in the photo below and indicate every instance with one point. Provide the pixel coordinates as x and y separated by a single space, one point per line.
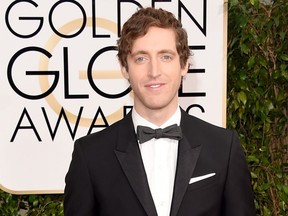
238 194
79 197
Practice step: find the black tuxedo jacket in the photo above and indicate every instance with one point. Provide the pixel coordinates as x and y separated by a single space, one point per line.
107 177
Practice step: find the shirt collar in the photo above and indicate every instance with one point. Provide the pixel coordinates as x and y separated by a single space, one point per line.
139 120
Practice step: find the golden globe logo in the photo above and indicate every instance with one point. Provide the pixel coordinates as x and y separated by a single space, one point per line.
51 81
70 46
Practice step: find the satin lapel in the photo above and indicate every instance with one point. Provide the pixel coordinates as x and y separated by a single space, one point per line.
129 157
187 159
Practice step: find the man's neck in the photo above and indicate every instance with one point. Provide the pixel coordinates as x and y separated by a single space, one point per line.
157 117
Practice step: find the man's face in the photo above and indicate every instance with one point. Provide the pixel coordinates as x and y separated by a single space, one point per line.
154 71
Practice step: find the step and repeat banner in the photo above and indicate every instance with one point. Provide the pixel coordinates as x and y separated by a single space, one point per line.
60 79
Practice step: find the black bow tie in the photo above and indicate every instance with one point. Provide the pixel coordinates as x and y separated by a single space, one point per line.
145 133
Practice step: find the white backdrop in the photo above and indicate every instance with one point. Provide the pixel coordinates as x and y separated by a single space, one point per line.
60 79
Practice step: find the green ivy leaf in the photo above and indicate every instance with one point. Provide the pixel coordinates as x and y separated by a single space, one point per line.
242 97
251 62
244 48
233 2
282 35
284 57
254 175
285 189
253 158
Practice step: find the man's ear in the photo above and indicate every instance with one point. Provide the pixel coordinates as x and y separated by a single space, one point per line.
124 71
184 70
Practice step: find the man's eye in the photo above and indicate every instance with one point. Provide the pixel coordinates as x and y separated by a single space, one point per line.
166 58
140 59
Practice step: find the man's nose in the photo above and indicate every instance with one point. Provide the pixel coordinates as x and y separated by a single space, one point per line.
154 70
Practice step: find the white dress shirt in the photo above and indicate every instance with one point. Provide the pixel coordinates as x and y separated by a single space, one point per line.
160 158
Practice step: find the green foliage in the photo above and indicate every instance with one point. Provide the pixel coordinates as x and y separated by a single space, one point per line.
9 204
257 107
32 205
258 95
45 205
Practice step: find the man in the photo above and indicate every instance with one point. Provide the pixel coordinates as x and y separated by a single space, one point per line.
199 172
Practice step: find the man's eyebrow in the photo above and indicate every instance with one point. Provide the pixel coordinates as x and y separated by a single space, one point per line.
139 52
167 51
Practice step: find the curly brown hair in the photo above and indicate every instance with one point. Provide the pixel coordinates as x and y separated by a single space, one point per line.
138 25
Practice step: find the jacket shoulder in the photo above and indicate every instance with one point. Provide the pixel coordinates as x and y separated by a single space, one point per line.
190 122
106 137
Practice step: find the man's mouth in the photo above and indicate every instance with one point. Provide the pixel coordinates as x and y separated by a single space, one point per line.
154 85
